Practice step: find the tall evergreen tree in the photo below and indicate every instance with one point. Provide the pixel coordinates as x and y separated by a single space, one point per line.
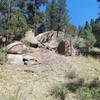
63 17
92 24
35 16
18 15
90 38
87 26
13 22
57 15
96 29
52 13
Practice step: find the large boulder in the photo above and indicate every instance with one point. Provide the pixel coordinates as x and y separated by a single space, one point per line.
21 59
40 54
64 48
53 44
16 48
46 36
30 38
48 39
15 59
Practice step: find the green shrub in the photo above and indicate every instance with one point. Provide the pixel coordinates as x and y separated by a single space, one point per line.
60 91
87 42
90 38
2 55
83 91
86 93
81 45
90 91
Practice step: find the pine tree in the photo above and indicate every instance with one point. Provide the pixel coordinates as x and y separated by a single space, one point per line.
52 13
87 26
90 38
35 16
58 17
63 17
96 29
18 15
92 24
13 22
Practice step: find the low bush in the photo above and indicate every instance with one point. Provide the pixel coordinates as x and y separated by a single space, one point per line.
86 93
84 44
81 45
82 90
90 91
59 91
2 55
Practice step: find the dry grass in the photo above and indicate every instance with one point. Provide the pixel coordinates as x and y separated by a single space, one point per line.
36 81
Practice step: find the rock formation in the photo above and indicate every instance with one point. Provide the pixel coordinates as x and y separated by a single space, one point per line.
21 54
16 47
48 39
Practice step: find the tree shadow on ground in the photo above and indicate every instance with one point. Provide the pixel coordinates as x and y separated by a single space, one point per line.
89 91
94 54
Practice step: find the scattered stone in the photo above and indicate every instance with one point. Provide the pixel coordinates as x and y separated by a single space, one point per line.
29 71
16 48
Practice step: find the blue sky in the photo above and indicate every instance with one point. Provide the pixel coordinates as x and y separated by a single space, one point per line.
82 10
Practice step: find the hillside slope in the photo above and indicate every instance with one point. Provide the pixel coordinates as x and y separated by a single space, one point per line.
35 82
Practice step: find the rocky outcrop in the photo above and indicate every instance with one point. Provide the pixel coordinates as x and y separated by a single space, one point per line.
20 54
44 40
16 48
17 54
